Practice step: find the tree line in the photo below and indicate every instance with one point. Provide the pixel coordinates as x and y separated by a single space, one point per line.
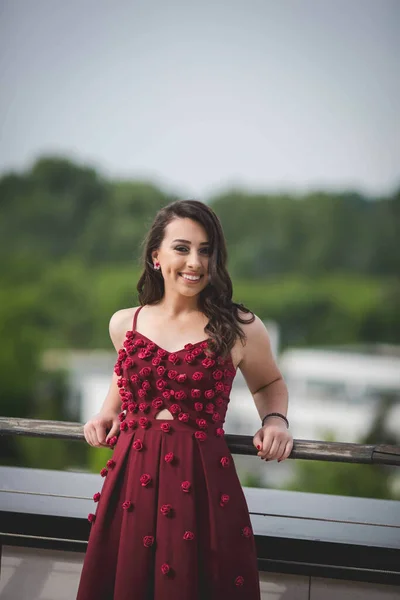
59 209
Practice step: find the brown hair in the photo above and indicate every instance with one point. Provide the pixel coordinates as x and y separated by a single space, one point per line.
215 301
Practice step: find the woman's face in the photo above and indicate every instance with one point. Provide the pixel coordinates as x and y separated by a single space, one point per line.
183 257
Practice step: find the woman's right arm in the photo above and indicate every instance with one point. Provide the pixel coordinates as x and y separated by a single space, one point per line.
103 426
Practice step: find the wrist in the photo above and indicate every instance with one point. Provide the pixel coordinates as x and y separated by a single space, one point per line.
277 417
275 421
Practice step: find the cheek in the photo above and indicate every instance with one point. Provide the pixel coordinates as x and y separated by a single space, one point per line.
174 266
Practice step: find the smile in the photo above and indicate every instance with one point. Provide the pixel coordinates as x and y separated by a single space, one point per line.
193 278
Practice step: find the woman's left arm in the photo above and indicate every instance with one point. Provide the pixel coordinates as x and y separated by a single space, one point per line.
266 384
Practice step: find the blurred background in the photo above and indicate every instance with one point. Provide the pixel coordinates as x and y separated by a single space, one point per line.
284 117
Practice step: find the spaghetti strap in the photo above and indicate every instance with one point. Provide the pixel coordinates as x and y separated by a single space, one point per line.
135 318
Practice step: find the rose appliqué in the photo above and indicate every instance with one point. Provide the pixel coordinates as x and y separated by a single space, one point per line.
148 541
217 374
246 532
197 376
169 457
224 499
112 441
157 403
145 372
166 510
173 358
145 479
186 486
160 384
144 422
208 363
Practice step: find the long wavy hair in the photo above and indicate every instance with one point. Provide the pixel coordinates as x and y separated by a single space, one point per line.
215 300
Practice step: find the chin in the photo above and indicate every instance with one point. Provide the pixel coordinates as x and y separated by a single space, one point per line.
190 293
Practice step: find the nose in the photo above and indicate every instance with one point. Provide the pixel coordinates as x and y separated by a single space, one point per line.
193 260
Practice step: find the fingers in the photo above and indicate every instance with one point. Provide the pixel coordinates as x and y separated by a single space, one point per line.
275 445
87 432
287 450
95 433
269 448
258 439
113 431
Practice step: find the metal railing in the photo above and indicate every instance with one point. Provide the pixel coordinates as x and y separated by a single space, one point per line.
382 454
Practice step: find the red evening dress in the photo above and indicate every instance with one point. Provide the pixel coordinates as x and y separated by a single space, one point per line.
171 520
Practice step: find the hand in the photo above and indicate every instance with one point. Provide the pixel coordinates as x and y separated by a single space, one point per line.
273 441
100 428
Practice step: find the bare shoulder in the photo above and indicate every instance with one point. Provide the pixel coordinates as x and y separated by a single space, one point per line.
120 323
253 329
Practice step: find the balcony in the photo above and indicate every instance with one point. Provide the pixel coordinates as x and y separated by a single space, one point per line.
309 546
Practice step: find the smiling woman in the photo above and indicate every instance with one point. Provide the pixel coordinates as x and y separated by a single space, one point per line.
172 521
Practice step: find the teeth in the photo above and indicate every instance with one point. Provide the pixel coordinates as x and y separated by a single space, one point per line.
191 277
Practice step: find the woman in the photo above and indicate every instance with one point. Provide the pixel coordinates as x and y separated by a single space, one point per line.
172 522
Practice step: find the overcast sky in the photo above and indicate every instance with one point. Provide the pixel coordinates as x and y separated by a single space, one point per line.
271 94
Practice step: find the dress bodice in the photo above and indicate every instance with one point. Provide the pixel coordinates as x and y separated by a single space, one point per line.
192 383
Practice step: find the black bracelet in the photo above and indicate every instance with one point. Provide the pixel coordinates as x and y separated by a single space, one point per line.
275 415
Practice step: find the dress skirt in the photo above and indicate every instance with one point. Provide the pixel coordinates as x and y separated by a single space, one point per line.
171 520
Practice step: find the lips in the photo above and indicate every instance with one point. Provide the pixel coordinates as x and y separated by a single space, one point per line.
191 277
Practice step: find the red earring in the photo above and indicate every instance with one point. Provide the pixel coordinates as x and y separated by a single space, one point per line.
157 266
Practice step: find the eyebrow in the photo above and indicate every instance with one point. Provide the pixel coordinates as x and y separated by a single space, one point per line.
187 242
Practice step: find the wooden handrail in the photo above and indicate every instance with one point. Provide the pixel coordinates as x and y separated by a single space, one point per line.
381 454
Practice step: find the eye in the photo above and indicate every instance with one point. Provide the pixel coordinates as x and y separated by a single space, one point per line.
205 251
181 248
